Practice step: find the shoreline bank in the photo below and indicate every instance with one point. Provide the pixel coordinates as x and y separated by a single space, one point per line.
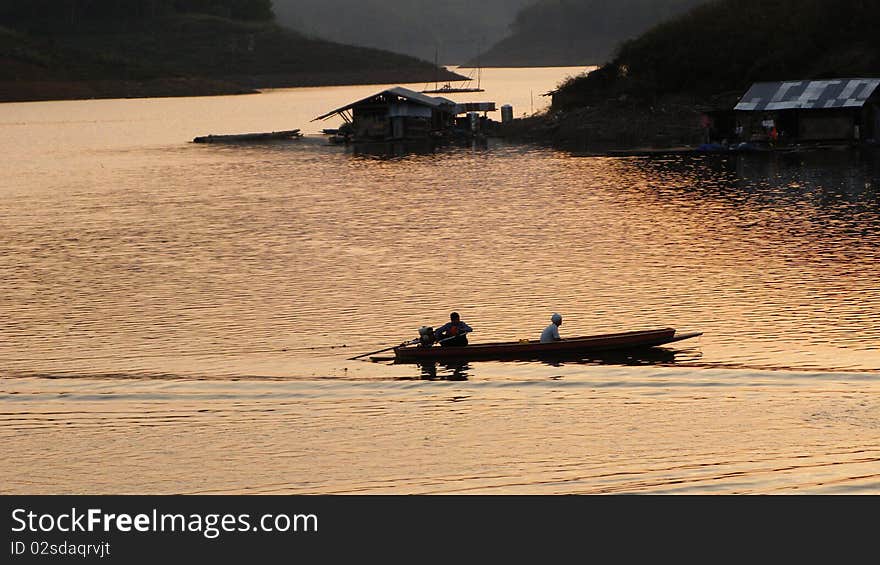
619 129
613 126
57 90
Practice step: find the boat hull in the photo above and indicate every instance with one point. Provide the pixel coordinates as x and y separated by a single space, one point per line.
536 350
243 137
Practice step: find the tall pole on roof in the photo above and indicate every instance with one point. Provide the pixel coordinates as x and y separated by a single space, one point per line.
479 65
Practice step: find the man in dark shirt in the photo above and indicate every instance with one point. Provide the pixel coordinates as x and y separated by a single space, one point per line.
453 333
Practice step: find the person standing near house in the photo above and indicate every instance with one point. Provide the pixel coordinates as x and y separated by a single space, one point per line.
706 124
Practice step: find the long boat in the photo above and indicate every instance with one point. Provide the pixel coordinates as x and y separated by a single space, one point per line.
240 137
526 349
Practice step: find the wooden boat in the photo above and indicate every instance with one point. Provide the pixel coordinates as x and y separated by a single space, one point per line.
449 89
536 350
234 138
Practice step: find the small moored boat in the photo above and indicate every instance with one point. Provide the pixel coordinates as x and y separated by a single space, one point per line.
536 350
240 137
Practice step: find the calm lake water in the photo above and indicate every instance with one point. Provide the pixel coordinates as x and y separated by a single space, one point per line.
177 318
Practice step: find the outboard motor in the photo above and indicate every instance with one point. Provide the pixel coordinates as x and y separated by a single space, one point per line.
426 336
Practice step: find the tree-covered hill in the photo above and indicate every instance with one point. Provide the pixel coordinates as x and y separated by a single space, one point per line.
52 49
61 15
726 45
576 32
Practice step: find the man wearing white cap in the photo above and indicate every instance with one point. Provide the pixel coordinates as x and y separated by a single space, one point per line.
551 332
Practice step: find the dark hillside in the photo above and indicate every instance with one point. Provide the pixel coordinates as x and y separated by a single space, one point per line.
77 16
727 45
656 91
454 30
577 32
172 48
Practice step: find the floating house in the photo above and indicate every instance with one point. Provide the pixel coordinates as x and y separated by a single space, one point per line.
402 114
838 110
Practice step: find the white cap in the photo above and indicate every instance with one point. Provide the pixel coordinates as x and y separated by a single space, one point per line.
556 318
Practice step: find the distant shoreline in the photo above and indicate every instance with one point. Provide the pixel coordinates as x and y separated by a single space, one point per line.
58 90
471 65
614 125
621 131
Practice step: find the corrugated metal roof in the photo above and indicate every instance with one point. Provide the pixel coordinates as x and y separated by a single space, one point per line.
434 101
411 95
808 94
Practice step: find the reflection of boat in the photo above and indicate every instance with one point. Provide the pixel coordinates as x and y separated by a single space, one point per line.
458 369
577 346
627 357
451 371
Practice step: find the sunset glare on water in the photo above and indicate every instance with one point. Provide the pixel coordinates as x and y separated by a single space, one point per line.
181 316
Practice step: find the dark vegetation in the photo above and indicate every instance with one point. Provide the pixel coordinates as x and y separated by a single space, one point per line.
726 45
53 49
577 32
653 92
58 15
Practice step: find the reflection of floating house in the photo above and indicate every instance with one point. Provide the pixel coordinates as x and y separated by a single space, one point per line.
811 110
400 114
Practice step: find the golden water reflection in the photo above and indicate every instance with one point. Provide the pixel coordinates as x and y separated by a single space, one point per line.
264 259
180 316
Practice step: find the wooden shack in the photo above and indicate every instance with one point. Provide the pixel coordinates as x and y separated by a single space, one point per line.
401 114
836 110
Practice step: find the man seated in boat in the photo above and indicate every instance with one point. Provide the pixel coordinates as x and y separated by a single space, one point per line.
453 333
551 332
